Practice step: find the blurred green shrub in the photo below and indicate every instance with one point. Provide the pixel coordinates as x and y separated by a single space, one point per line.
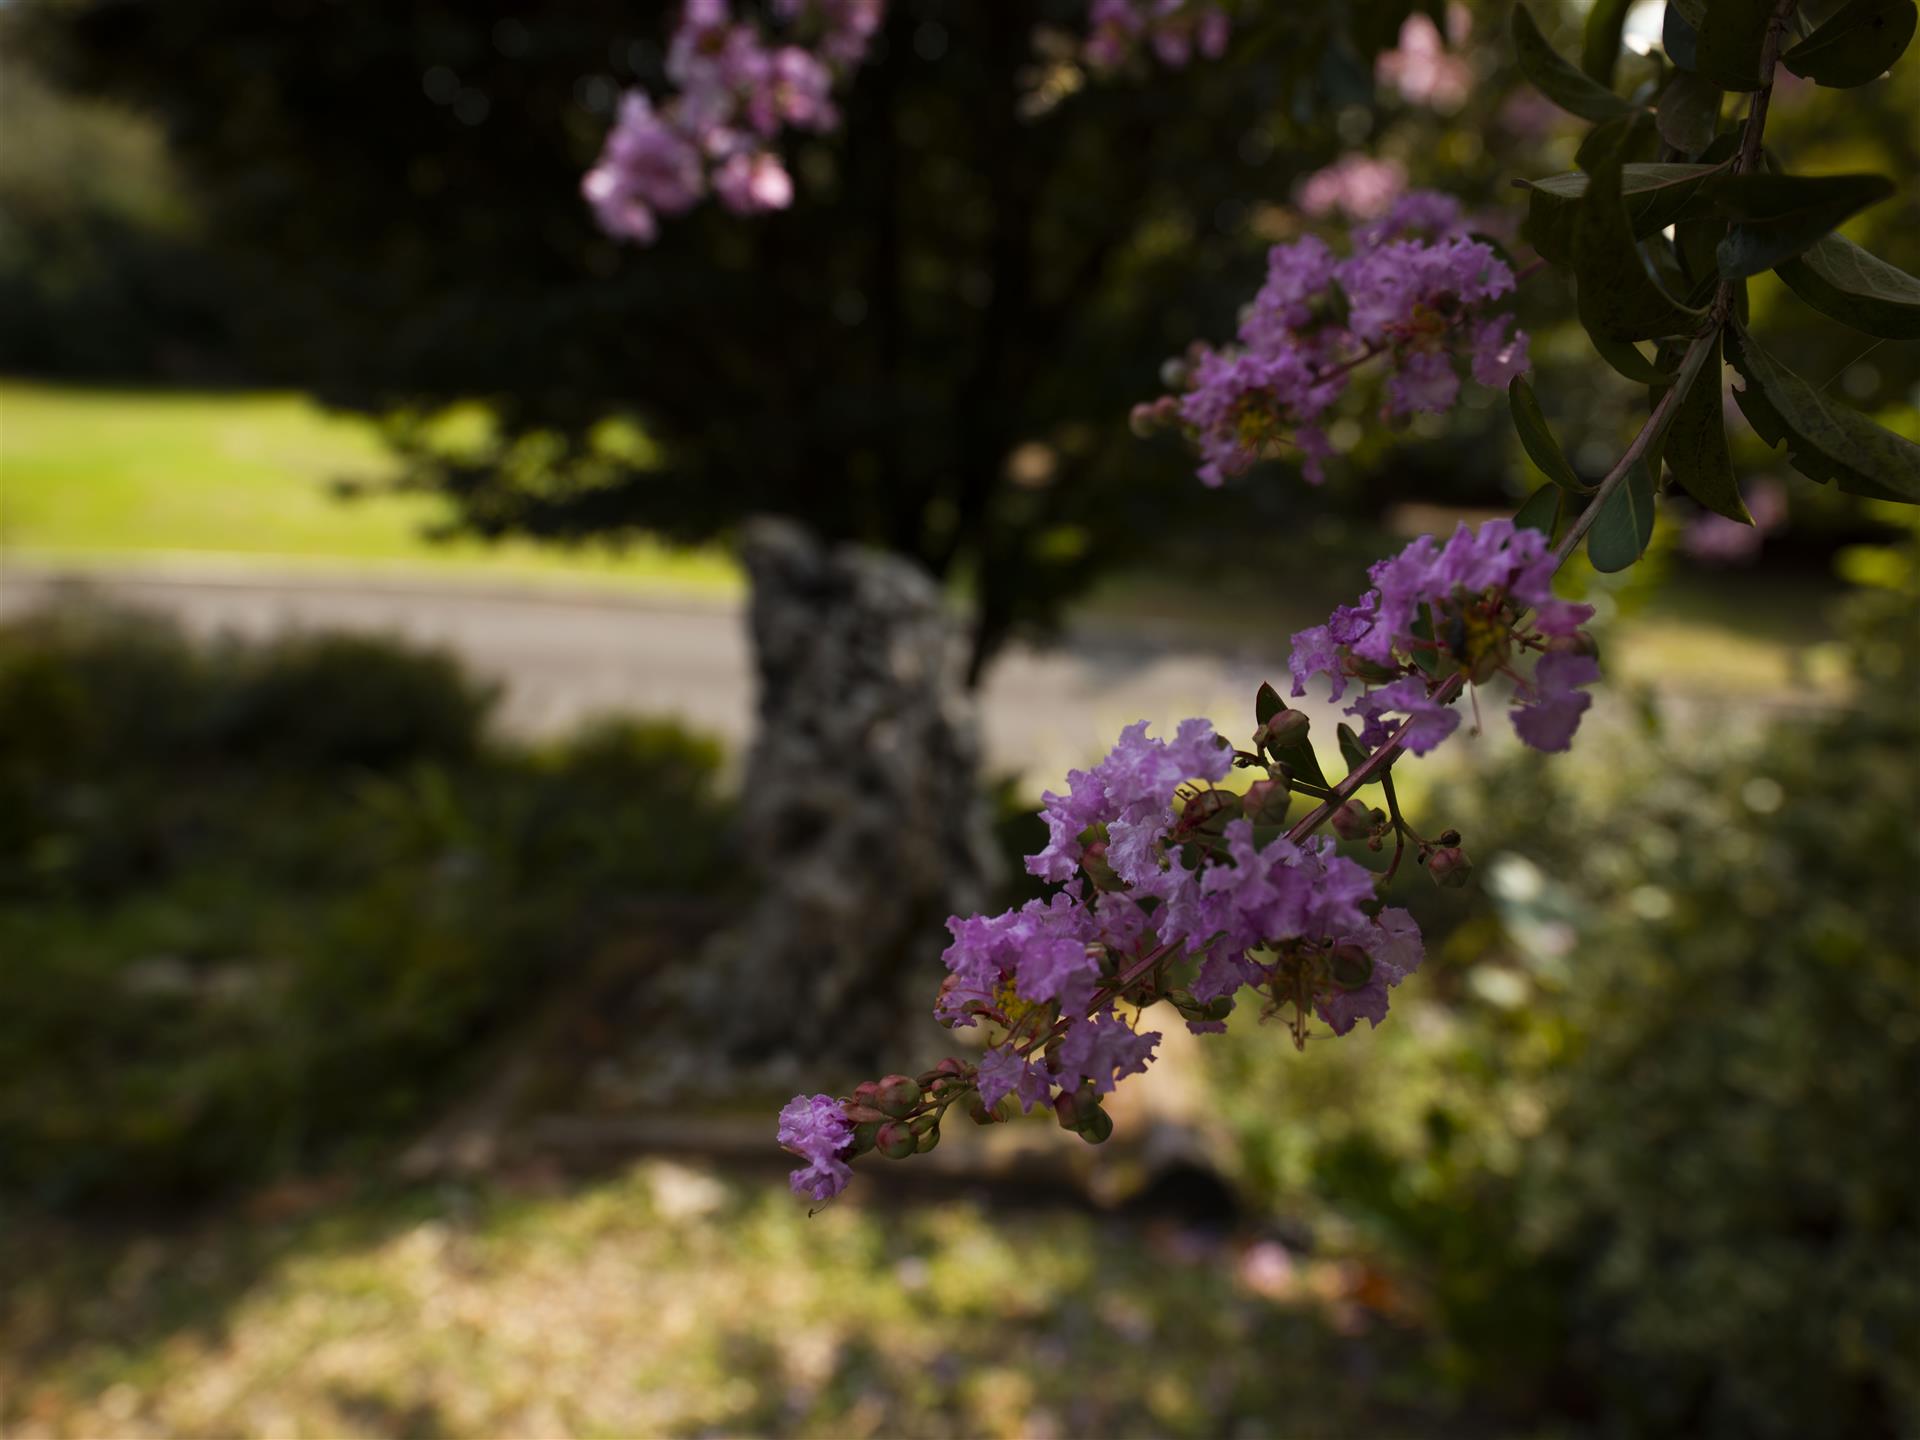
1647 1156
260 900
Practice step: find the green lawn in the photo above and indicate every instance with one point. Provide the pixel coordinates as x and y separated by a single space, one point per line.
104 475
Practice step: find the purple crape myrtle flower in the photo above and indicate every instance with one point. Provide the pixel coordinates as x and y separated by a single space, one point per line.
816 1129
1455 604
1417 290
1393 944
1003 1073
1173 29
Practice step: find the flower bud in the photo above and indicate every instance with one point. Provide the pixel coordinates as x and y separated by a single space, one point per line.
928 1139
1098 1127
1285 728
1450 867
863 1136
1143 421
1580 642
897 1095
1266 802
978 1112
1072 1107
1350 966
896 1141
1175 373
1093 860
1352 821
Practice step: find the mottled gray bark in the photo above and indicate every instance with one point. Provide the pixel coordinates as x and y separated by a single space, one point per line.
861 810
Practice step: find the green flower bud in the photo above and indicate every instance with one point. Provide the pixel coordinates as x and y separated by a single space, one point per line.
897 1095
1097 1129
1266 802
1450 867
896 1141
1352 821
1286 728
1350 966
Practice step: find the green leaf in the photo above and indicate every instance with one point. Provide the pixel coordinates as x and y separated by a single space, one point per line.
1825 441
1842 281
1354 753
1694 12
1267 703
1541 512
1857 44
1572 91
1537 440
1620 535
1299 759
1617 296
1778 216
1625 357
1696 449
1680 38
1657 195
1600 43
1688 112
1732 35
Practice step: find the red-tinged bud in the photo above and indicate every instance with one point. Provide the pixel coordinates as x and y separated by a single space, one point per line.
1167 411
1578 643
1072 1107
1350 966
1093 860
896 1141
1450 867
1266 802
863 1136
1352 821
1143 421
978 1112
1285 728
864 1114
1097 1129
898 1095
867 1092
951 1066
1206 806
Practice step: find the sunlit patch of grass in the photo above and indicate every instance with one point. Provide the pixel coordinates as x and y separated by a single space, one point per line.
674 1301
110 475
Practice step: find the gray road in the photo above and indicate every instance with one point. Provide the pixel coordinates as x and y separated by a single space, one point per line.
565 654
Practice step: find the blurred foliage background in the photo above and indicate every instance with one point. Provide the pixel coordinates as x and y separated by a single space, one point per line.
1632 1156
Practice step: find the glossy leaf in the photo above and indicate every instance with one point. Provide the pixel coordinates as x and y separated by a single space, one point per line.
1600 42
1559 81
1848 284
1825 440
1689 112
1656 195
1541 512
1680 38
1732 33
1626 359
1696 445
1619 536
1536 439
1355 754
1775 217
1617 296
1267 703
1857 44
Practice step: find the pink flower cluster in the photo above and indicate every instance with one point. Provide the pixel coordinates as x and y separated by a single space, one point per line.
1354 187
1436 611
1424 66
1417 291
1173 29
736 95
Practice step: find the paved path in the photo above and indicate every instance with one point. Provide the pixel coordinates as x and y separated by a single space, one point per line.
566 654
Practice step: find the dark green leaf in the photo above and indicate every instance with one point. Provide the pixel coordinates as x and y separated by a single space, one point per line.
1626 359
1536 439
1697 243
1600 44
1777 216
1618 299
1619 537
1689 112
1657 195
1839 279
1825 441
1859 43
1541 512
1267 703
1680 38
1694 12
1354 753
1731 36
1696 448
1572 91
1631 137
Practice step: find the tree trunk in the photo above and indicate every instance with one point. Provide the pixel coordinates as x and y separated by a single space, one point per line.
861 812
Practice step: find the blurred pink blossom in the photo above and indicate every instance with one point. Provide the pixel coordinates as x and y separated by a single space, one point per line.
1355 187
1423 69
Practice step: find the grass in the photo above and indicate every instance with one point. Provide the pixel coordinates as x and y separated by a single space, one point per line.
672 1301
105 476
